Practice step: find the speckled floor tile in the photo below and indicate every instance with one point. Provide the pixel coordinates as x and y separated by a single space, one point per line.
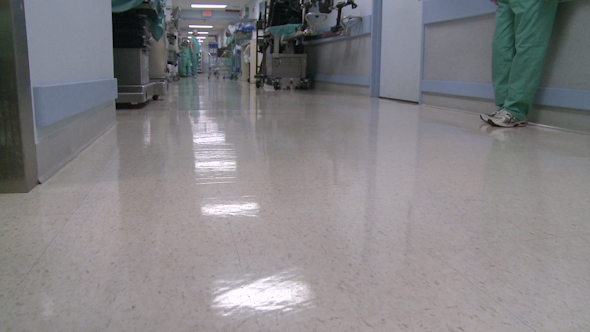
142 243
413 292
8 286
24 239
543 282
54 302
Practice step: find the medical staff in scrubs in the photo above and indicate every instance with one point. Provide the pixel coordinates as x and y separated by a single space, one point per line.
195 53
184 63
228 39
521 38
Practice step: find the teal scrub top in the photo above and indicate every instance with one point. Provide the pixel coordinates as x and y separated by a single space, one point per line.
185 51
196 46
228 41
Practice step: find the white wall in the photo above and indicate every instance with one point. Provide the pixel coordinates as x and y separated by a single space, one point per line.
69 41
254 6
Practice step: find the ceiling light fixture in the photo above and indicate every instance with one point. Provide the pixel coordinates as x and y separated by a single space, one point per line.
209 6
194 26
203 32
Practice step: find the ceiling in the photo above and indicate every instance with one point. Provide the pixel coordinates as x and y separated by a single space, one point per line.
219 26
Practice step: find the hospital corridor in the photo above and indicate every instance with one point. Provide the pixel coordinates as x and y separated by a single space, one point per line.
294 166
227 208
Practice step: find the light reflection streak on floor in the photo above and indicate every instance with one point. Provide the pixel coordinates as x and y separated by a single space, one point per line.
283 292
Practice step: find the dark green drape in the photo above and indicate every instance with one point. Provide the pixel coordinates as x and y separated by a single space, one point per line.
156 23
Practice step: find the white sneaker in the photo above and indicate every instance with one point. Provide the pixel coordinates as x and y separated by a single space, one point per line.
486 117
504 119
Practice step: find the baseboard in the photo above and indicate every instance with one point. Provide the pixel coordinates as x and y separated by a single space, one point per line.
54 103
556 117
350 89
343 79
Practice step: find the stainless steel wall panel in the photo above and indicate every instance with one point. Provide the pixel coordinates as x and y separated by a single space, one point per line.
18 162
58 147
346 56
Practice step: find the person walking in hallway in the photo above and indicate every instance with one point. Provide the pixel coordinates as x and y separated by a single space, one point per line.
195 53
521 39
184 63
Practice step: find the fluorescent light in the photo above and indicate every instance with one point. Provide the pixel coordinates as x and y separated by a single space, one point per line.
201 37
190 32
209 6
203 32
200 26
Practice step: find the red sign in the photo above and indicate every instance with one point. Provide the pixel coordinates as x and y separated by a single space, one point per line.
207 13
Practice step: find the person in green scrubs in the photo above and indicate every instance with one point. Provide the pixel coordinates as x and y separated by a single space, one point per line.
184 63
521 38
195 53
228 39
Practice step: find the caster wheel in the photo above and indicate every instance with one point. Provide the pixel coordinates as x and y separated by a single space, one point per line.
258 84
155 97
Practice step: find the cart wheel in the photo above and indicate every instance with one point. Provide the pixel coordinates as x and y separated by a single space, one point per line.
276 84
258 84
305 84
155 97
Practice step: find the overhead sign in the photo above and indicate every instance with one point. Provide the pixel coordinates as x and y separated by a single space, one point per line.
207 13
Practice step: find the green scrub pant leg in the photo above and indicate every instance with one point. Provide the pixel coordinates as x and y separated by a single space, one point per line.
521 38
184 68
195 63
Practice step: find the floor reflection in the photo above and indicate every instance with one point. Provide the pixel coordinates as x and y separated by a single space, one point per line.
214 157
282 292
222 206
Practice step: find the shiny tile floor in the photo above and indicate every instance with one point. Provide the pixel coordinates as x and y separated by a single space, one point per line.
225 208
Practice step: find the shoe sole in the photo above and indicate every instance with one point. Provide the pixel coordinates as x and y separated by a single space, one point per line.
518 124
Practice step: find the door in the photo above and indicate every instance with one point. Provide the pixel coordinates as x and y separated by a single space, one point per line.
401 49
